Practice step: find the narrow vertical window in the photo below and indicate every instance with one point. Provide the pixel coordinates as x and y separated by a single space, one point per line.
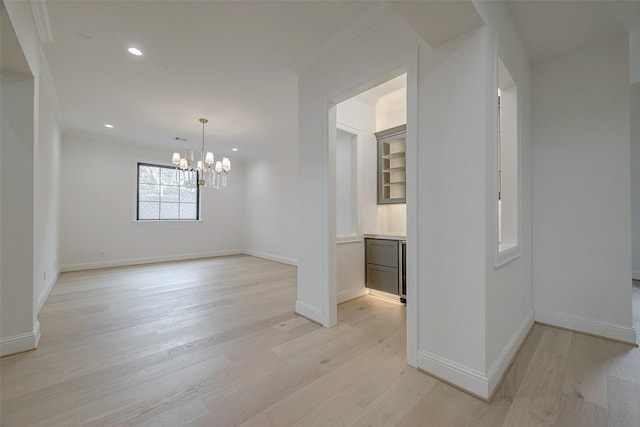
508 164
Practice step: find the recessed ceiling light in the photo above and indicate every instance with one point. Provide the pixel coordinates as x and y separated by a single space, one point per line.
135 51
234 149
108 126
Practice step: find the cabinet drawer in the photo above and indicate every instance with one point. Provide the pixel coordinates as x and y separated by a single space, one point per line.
382 252
382 278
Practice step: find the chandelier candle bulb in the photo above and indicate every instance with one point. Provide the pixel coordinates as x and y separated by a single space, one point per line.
209 158
175 159
183 164
226 164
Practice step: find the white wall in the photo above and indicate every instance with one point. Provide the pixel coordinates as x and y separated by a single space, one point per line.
271 217
98 208
46 197
451 210
634 79
358 118
581 191
30 142
509 299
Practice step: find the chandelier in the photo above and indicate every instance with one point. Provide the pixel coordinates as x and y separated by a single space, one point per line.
211 173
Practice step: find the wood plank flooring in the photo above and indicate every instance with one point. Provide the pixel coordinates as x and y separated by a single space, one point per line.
214 342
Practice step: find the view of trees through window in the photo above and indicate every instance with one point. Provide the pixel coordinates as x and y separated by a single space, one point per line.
166 193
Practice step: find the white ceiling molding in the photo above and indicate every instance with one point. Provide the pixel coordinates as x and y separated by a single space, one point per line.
437 22
342 37
41 19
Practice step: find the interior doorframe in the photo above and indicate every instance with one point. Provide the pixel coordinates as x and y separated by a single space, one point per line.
406 63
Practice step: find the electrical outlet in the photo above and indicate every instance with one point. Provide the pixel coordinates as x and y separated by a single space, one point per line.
101 254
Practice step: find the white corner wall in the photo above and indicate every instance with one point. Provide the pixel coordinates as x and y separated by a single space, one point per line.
98 208
581 191
634 79
271 215
29 220
46 197
509 294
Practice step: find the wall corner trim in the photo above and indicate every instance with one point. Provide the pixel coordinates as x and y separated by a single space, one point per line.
588 326
508 353
471 380
350 294
309 311
42 298
271 257
41 20
20 343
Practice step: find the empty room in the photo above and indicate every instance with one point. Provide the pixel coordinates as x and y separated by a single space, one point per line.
341 213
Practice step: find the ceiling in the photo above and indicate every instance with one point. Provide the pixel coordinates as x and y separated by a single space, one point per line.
229 62
232 62
551 28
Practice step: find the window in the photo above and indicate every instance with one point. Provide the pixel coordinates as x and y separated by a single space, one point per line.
166 193
508 162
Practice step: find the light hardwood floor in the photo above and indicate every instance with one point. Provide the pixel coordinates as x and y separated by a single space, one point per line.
215 342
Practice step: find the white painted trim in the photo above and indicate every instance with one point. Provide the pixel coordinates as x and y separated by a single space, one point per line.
342 37
340 240
270 257
635 275
42 298
350 294
20 343
309 311
146 260
41 20
587 326
462 376
503 361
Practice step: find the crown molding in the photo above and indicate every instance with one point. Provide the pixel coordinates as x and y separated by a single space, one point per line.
41 19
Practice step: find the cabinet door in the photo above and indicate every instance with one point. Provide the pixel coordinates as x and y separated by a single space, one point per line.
382 252
382 278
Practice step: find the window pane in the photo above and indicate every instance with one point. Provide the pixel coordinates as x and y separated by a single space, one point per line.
149 174
189 195
169 210
188 211
149 210
149 192
188 179
169 176
170 193
162 191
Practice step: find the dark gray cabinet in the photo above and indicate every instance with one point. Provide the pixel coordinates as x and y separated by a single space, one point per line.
392 165
384 261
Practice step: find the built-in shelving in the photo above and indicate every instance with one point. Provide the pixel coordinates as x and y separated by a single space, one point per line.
392 165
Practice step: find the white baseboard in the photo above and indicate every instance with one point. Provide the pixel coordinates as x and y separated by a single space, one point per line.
503 361
635 274
309 311
42 298
146 260
587 326
19 343
350 294
475 382
270 257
